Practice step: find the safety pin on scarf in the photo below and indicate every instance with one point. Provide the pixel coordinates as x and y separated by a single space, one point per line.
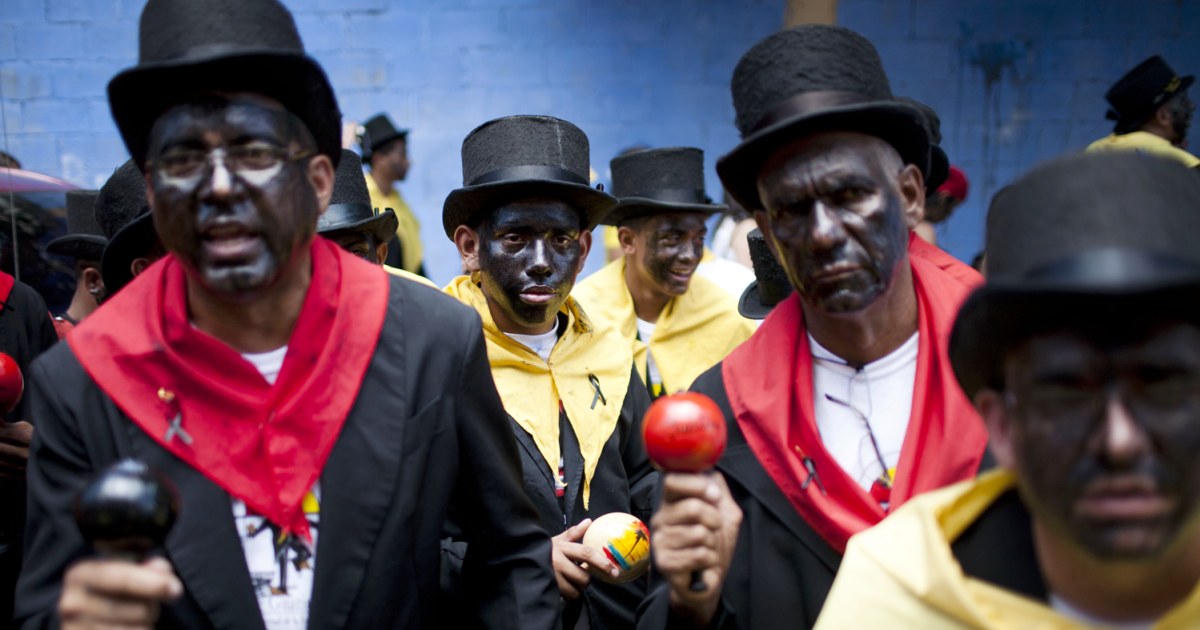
599 394
175 428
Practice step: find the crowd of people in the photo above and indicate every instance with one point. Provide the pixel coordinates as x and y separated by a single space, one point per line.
909 444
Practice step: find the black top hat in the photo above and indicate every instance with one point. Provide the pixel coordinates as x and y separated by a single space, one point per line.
187 48
809 79
122 213
84 239
939 164
377 132
519 157
350 207
655 181
1062 237
1141 91
771 285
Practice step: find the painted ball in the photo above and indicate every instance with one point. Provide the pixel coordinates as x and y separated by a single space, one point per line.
12 384
625 540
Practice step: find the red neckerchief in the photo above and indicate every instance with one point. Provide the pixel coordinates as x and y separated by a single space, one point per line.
769 381
264 444
6 287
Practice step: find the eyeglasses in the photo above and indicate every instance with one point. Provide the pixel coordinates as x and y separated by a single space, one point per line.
244 160
1146 396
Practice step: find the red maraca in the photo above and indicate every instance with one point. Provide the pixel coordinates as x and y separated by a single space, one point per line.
12 384
685 433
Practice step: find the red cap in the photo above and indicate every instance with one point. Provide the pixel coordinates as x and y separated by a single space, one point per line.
956 184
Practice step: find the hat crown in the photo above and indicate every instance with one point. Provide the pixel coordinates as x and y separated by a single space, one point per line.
122 198
81 218
649 173
349 184
806 59
377 131
1135 96
514 142
1083 207
178 29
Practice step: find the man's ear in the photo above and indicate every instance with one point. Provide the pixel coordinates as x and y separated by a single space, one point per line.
321 175
139 265
1162 115
1001 441
467 242
381 252
585 246
625 237
911 185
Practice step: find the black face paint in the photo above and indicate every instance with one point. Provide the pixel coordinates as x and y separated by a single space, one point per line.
355 242
529 255
669 249
837 219
238 234
1106 436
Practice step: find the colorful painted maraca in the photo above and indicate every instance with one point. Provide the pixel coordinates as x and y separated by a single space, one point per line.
12 383
625 540
685 433
127 510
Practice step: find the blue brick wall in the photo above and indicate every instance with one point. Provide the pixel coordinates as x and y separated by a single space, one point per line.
627 71
1019 81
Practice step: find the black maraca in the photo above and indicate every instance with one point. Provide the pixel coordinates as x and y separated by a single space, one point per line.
127 510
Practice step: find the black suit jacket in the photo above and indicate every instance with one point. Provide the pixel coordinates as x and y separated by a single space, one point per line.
427 432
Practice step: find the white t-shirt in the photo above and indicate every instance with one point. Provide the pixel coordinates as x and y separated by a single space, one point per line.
541 344
280 571
1070 612
881 390
645 332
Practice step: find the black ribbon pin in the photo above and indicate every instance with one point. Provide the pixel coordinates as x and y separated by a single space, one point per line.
599 397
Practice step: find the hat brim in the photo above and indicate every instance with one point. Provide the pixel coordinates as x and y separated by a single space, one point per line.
996 317
131 242
139 95
382 227
896 123
78 246
635 207
465 206
750 305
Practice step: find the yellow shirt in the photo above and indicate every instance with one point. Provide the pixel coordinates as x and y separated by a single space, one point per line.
408 230
693 332
902 573
1146 143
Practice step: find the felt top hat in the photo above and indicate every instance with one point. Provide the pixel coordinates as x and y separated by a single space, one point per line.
519 157
939 164
122 213
771 285
84 239
1062 246
810 79
1135 96
377 132
350 207
190 47
657 181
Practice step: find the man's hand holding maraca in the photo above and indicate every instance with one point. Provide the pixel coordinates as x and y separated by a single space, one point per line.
695 529
109 592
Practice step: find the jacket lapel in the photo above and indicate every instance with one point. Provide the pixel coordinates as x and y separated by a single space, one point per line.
204 546
740 464
357 488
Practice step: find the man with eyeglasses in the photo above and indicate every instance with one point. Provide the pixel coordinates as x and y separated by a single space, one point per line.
842 406
1082 354
318 417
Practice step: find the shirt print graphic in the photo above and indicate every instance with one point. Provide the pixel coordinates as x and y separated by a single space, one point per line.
281 566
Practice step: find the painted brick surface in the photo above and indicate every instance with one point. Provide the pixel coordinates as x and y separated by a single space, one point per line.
1015 81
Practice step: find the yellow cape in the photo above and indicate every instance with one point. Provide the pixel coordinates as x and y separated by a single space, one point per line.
1146 143
531 388
400 273
693 332
902 573
408 229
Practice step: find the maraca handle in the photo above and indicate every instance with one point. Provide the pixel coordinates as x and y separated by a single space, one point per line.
698 585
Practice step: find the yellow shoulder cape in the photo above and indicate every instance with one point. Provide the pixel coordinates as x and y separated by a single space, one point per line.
531 388
1145 143
693 332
